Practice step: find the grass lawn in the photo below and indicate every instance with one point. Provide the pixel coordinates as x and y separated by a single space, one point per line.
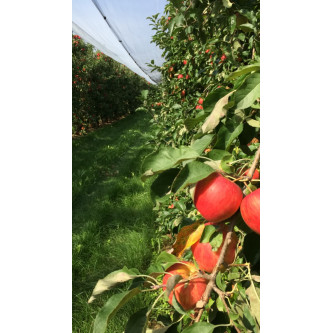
113 221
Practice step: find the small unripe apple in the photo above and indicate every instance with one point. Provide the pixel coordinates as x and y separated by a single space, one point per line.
187 293
207 258
250 210
217 198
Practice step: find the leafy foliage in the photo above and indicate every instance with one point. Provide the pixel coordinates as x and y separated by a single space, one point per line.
205 118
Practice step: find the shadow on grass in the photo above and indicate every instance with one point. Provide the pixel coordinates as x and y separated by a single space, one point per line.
113 221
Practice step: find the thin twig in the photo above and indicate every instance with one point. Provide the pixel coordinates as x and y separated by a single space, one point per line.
205 297
222 295
253 166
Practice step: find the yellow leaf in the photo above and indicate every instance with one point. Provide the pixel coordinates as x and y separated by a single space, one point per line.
186 237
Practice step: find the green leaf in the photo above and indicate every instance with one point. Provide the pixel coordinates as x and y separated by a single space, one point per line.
218 154
247 27
171 283
220 305
162 184
201 327
248 92
201 144
177 306
241 290
218 112
227 3
207 233
137 322
154 269
226 167
253 123
221 284
248 316
144 94
176 21
111 280
216 241
225 137
212 98
241 37
166 158
233 316
190 123
233 276
244 70
254 301
166 259
191 174
111 307
232 23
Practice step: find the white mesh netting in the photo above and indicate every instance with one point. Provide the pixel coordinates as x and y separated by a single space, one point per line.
120 30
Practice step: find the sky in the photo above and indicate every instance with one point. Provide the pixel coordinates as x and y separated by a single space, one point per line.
128 19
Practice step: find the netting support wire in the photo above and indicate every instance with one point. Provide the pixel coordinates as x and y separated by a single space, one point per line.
118 37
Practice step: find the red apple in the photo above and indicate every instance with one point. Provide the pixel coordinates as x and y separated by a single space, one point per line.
180 76
187 293
183 93
217 198
250 210
207 258
184 62
199 107
200 100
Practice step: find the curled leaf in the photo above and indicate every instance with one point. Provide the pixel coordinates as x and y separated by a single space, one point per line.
187 236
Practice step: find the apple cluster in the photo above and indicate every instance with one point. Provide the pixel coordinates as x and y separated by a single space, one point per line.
217 199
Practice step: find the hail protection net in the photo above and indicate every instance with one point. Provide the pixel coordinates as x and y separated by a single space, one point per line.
120 29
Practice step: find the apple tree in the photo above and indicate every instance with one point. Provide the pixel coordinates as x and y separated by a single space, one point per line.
206 174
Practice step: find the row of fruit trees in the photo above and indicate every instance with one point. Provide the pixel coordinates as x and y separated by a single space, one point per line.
206 120
102 89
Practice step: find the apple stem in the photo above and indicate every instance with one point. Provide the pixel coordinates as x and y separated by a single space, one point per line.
205 297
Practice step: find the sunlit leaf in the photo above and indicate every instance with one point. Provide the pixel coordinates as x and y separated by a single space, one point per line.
254 301
218 112
166 158
201 144
186 237
111 280
191 174
248 92
244 70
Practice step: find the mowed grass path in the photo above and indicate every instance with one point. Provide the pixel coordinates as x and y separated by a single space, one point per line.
113 221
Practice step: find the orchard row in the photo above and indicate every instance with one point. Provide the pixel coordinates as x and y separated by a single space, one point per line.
103 90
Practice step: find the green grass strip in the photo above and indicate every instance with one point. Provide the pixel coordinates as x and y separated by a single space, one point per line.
113 221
